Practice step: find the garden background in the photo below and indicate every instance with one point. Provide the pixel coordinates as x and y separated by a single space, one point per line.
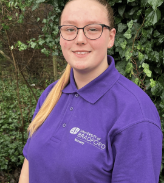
31 59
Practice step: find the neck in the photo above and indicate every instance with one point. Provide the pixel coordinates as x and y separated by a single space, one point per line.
82 78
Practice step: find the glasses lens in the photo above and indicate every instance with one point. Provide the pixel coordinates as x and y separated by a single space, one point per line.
93 31
68 32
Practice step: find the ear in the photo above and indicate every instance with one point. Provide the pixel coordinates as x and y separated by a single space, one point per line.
111 40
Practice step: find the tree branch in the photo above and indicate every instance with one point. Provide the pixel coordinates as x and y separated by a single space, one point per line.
7 57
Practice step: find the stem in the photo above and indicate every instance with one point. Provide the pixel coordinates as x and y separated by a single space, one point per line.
28 85
55 67
18 97
137 34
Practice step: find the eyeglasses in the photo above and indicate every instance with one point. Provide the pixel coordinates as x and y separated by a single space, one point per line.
91 31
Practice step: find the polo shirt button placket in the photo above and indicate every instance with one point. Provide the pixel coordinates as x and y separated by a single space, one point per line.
71 108
64 125
76 95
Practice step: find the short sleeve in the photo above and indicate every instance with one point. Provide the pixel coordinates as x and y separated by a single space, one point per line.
38 106
137 154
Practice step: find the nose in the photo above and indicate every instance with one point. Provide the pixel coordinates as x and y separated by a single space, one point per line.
81 38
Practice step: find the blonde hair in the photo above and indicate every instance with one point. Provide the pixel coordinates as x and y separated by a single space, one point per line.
56 91
50 101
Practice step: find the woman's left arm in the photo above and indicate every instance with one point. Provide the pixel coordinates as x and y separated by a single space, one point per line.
137 154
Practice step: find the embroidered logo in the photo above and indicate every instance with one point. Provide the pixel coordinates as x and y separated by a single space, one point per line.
74 130
83 136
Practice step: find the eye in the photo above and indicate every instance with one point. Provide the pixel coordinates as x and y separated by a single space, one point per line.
93 29
70 30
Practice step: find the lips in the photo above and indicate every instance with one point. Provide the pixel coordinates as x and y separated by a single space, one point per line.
81 52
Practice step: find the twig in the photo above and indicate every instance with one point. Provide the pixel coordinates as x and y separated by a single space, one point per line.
18 97
137 34
7 57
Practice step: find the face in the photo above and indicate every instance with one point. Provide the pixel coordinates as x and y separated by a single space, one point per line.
83 54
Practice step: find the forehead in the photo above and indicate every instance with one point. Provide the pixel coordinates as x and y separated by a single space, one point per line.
83 12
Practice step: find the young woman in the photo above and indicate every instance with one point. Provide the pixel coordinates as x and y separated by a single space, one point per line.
93 125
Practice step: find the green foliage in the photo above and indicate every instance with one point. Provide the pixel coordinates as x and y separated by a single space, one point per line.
11 140
48 41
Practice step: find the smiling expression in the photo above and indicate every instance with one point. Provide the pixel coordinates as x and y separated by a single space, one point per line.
83 54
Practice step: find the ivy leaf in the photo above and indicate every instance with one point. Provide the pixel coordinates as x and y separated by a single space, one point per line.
41 41
6 27
121 27
128 54
9 17
146 69
133 10
152 17
129 67
40 1
123 44
35 6
44 20
121 10
139 12
128 34
33 44
117 20
136 81
161 39
55 53
140 56
155 3
130 24
22 47
120 66
112 2
156 33
144 3
130 1
152 83
45 51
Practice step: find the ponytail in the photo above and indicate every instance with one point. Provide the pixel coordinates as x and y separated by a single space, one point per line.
50 101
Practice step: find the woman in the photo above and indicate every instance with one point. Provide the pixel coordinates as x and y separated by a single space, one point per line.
93 125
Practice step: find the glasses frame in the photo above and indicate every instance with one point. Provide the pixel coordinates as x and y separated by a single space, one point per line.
103 25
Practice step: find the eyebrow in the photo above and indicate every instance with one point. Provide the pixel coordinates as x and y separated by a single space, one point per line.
74 22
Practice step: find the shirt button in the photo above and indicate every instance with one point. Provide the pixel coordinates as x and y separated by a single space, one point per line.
64 125
76 95
71 108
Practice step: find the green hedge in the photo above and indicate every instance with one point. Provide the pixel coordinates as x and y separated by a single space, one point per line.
13 135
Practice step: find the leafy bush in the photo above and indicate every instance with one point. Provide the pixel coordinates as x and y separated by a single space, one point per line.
13 134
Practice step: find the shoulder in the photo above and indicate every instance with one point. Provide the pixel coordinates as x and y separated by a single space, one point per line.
134 104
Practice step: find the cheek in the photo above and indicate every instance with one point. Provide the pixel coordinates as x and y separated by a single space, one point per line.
99 45
65 45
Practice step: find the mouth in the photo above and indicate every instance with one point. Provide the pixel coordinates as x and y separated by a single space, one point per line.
81 52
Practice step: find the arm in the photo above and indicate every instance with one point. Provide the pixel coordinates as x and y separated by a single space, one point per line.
24 176
138 153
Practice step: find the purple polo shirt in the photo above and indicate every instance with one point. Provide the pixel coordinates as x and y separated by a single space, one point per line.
106 132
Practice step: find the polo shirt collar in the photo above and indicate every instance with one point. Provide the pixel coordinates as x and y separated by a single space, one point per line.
94 90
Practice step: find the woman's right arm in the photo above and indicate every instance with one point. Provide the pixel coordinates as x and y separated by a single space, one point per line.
24 176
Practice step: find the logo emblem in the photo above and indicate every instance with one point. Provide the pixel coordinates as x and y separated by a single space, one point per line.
74 130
